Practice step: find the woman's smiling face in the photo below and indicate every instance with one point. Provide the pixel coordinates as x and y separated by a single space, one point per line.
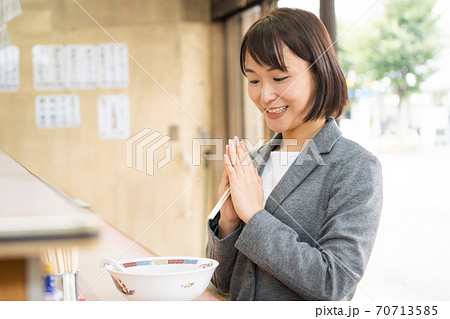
285 97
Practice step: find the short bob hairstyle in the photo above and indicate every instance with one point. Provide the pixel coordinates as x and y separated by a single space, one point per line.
305 35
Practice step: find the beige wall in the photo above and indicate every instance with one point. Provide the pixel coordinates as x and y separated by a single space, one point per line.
171 40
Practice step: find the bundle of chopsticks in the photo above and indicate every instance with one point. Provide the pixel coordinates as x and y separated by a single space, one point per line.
64 262
62 259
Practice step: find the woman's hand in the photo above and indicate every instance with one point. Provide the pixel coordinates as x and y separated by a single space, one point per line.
246 185
229 219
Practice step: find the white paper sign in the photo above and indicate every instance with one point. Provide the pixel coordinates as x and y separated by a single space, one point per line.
9 9
57 111
4 37
81 66
113 116
48 67
113 65
78 67
9 69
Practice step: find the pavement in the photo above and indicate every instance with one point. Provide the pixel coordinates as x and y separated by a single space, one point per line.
411 257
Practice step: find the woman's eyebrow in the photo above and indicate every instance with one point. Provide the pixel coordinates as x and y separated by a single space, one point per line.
268 70
276 69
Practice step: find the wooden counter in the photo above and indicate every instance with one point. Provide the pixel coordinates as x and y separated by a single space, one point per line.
95 282
34 215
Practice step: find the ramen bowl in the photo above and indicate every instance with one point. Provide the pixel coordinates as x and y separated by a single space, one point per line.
161 278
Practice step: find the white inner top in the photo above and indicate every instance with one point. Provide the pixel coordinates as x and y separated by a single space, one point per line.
277 165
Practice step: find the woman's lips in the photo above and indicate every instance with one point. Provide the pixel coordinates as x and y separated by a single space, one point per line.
276 115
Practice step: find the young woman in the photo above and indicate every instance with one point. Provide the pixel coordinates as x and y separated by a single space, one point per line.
305 229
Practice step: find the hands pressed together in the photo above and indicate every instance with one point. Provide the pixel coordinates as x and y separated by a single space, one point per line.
246 188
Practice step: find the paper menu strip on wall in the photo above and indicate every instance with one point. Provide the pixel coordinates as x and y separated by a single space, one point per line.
4 37
9 9
113 116
57 111
48 67
81 72
80 66
9 69
113 65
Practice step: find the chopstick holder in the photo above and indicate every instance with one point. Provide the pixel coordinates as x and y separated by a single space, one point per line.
219 204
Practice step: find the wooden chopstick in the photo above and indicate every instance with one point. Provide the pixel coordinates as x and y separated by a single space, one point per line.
219 204
62 259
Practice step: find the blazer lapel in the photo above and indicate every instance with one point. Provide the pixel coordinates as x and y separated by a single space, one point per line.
261 156
305 164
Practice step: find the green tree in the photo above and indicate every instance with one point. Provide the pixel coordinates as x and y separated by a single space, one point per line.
396 49
402 45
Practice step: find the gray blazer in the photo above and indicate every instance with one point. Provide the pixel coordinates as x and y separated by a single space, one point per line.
313 239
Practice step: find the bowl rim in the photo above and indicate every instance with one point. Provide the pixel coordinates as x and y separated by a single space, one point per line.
214 266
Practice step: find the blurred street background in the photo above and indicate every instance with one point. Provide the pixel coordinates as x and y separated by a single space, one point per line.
396 55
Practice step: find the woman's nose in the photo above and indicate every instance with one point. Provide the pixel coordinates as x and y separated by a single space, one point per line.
268 95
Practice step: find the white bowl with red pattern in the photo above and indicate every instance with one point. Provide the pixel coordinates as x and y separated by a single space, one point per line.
161 278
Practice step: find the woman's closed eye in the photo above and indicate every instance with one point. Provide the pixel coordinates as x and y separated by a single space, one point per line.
275 79
280 79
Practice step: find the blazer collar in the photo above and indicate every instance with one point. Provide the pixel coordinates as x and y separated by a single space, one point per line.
323 141
306 162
